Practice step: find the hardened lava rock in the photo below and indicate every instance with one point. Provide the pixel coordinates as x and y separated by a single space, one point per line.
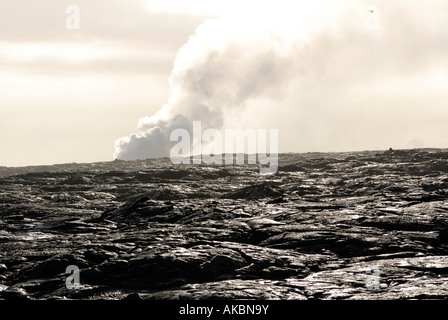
365 225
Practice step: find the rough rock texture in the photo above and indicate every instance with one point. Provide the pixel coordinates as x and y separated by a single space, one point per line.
151 230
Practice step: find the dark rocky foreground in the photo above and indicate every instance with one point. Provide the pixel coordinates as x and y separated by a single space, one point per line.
150 230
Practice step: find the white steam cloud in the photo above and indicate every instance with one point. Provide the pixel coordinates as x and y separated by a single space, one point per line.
276 52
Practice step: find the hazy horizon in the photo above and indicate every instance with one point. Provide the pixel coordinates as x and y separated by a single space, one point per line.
345 77
280 153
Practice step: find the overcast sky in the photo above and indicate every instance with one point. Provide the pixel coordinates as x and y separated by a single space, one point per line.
355 75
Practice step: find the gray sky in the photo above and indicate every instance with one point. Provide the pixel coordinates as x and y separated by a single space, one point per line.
328 76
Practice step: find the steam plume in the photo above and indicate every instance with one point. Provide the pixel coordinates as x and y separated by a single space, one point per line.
323 54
